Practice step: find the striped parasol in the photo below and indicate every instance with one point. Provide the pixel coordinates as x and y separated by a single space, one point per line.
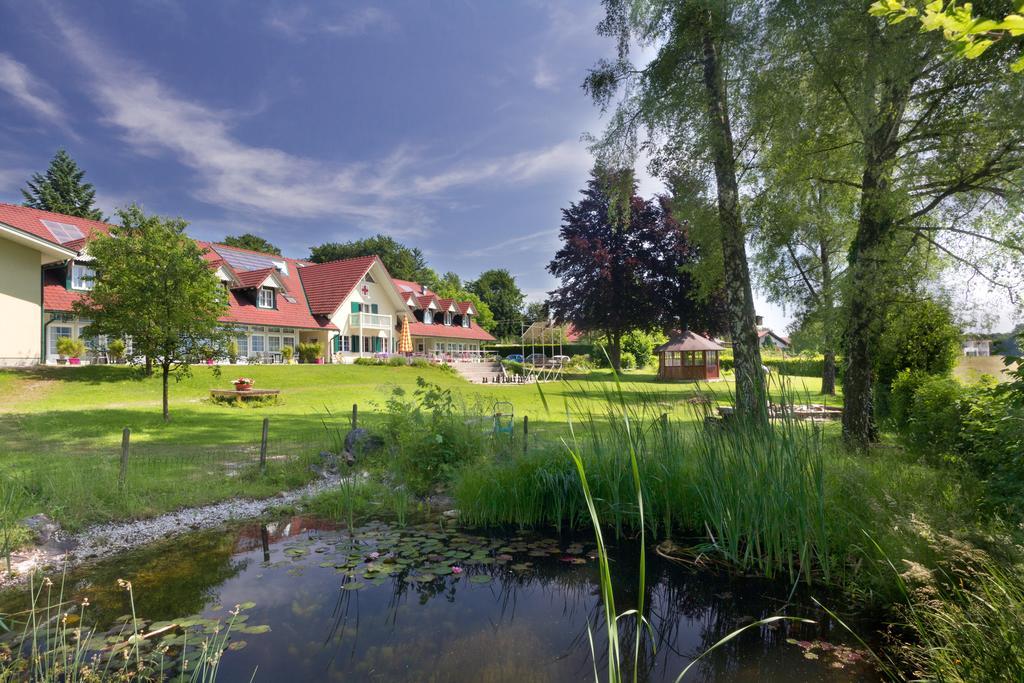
405 337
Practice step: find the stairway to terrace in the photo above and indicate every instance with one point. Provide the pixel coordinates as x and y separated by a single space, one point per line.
476 372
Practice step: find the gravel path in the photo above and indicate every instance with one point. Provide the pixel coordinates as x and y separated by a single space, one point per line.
108 539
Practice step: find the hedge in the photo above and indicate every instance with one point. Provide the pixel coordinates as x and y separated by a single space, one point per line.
804 367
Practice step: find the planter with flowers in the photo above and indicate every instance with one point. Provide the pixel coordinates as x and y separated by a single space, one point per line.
70 349
243 384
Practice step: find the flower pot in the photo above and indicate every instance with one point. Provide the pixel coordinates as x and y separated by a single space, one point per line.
243 386
319 361
209 361
75 361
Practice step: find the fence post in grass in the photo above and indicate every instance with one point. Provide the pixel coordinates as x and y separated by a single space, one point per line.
355 414
526 433
664 422
126 436
263 445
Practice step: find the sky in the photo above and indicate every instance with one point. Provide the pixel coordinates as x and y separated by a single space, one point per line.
452 125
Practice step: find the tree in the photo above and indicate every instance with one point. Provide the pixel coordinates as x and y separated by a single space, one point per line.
536 311
450 286
922 336
682 98
401 261
153 285
62 189
604 266
498 290
251 242
970 35
940 143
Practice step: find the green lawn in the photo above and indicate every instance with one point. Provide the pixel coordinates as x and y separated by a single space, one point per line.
61 428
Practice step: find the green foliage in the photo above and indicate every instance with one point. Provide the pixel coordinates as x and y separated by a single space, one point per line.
252 242
367 361
62 190
70 348
627 361
498 290
287 352
116 349
917 336
430 434
152 284
397 361
402 262
309 352
970 35
932 427
641 345
901 396
450 286
232 351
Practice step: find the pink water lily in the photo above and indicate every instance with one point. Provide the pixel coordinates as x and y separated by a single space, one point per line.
374 555
456 570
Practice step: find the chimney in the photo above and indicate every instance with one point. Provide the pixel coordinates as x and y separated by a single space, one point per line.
423 289
758 320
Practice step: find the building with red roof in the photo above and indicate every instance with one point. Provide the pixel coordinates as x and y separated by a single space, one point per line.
352 308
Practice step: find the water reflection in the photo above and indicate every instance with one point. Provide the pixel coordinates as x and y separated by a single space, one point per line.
383 604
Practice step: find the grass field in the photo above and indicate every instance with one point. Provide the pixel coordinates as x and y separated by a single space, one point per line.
60 428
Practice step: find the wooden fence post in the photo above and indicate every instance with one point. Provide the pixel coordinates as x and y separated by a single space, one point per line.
355 415
263 445
126 436
526 433
664 421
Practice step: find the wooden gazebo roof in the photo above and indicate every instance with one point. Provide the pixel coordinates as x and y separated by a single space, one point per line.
688 341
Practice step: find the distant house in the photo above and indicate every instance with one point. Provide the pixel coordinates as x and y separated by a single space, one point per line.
768 339
544 332
976 347
352 308
688 356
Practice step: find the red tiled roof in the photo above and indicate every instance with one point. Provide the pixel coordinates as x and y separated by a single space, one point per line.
572 334
327 284
56 297
464 306
474 331
405 286
424 300
250 279
30 221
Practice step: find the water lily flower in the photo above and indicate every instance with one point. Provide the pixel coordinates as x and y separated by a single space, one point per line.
456 570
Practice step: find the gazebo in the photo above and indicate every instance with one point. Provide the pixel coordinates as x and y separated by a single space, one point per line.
688 356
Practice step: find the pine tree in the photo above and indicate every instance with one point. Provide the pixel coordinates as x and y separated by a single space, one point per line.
61 190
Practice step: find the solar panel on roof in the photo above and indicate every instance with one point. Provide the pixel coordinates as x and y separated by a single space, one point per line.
243 260
63 232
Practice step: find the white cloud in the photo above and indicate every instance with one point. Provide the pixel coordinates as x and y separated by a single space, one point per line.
394 193
543 77
30 92
298 21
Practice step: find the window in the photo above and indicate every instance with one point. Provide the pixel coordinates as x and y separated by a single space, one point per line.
447 317
273 344
346 343
243 346
258 343
56 332
265 298
428 317
81 277
672 359
369 279
465 320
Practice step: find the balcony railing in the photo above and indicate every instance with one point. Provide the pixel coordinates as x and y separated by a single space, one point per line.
378 320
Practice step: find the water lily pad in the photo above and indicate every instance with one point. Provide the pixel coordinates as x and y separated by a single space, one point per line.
247 605
480 578
237 645
353 586
262 628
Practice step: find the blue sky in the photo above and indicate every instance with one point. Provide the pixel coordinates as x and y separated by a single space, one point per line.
452 125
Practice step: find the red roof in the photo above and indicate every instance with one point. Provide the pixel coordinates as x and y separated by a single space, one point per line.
31 221
250 279
327 284
572 334
407 286
56 296
474 331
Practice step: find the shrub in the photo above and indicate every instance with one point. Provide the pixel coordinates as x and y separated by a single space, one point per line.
513 368
581 363
287 353
309 352
397 361
232 349
918 336
367 361
115 350
934 421
420 363
627 361
641 345
901 397
70 348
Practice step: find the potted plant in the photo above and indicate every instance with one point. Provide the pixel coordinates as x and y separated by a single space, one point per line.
243 384
233 351
311 352
287 353
115 350
71 350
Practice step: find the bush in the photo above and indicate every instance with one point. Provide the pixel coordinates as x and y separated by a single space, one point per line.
641 345
420 363
513 367
932 427
287 352
627 361
115 350
581 363
310 352
397 361
367 361
233 351
918 336
70 348
901 397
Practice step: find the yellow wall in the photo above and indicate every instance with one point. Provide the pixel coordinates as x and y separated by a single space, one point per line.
20 304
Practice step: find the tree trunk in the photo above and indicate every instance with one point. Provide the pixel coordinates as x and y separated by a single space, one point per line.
828 367
615 351
751 397
166 376
149 366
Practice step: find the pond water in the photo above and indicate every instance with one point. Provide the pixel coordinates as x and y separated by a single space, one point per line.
384 604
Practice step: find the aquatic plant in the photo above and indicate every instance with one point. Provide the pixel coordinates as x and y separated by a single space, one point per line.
55 643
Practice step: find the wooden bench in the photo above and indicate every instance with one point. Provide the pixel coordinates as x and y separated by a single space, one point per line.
242 395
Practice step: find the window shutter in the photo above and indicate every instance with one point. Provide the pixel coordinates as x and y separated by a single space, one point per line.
373 308
355 343
355 306
337 343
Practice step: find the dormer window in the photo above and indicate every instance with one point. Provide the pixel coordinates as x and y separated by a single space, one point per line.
265 298
428 317
465 320
82 277
447 317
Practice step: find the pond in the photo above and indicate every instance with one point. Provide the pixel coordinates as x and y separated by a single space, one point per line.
385 604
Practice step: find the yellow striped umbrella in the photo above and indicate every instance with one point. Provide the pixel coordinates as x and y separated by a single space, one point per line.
405 337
